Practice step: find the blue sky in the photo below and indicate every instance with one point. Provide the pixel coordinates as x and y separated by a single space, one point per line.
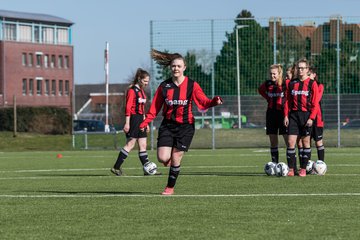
125 25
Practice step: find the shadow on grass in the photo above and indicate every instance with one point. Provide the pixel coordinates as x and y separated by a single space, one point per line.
222 174
97 192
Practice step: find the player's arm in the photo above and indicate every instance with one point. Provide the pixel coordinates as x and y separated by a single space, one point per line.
130 96
155 108
314 107
262 91
202 101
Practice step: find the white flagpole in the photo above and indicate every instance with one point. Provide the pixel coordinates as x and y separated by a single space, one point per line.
107 129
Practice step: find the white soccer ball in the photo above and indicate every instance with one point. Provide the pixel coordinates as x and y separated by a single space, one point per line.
310 167
281 169
269 168
150 168
320 167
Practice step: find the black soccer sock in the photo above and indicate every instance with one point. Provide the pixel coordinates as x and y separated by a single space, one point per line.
173 175
291 157
122 156
306 157
274 154
300 152
321 153
143 156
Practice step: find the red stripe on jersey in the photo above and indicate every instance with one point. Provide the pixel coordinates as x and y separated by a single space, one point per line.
302 96
319 115
177 101
274 94
135 101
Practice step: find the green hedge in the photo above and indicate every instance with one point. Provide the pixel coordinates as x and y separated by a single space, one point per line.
47 120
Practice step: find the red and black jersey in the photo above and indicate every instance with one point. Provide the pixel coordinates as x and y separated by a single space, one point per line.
302 96
135 101
274 94
319 115
177 101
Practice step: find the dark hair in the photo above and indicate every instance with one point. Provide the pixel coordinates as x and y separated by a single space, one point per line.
312 69
165 59
139 75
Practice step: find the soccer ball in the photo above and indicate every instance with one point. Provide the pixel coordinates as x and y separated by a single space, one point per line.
150 168
281 169
320 167
310 167
270 168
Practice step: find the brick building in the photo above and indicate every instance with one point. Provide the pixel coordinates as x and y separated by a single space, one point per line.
36 60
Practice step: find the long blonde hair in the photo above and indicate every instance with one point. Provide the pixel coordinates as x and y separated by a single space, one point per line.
279 68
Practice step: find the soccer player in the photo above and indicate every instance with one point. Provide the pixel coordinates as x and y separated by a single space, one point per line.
318 128
134 115
273 91
175 96
300 111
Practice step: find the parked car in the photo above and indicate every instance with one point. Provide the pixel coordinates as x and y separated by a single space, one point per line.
89 125
355 123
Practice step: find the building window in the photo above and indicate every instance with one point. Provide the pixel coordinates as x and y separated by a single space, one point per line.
38 60
67 87
24 59
46 61
37 34
38 87
48 35
31 86
24 86
66 62
31 59
349 35
52 62
326 35
53 87
9 31
62 36
25 33
61 89
60 61
47 87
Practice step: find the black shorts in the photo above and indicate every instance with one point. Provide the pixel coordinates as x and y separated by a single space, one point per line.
317 132
134 131
175 135
297 124
275 122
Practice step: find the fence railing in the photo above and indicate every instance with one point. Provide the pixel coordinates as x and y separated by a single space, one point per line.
231 58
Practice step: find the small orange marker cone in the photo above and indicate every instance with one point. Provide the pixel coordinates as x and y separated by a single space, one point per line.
59 155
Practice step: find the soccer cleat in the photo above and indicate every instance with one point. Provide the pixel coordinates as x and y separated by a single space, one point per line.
291 172
117 172
302 172
168 191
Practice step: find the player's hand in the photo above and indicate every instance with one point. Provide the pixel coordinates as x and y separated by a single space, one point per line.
286 121
147 128
126 128
218 100
143 127
309 122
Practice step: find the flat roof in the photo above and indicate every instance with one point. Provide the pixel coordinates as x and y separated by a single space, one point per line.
38 17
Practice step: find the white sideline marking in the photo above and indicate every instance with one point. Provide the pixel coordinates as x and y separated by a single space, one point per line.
108 169
186 196
141 176
135 168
